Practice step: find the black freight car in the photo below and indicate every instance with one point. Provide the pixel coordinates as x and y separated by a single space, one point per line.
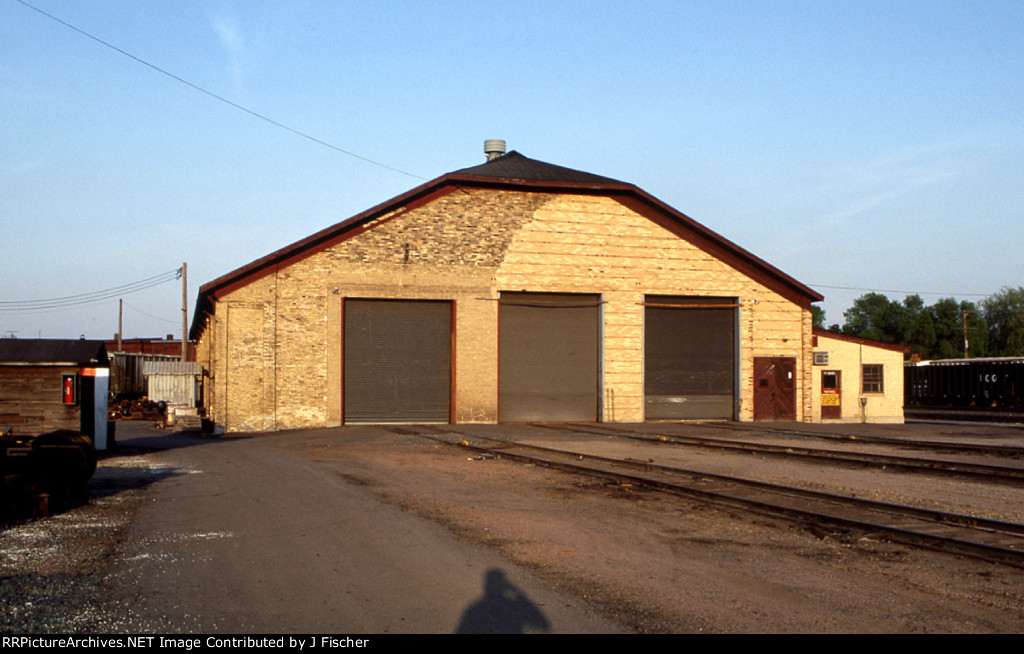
983 383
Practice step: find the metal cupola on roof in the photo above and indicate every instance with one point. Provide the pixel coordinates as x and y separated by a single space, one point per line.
494 148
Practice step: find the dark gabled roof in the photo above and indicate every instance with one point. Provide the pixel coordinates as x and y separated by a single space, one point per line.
510 171
515 166
53 352
870 342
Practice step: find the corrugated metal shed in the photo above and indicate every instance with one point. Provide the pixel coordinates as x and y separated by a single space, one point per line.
173 382
172 368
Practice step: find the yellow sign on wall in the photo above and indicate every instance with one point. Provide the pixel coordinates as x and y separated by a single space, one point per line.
829 399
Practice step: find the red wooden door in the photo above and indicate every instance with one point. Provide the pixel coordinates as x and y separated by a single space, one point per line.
774 388
831 394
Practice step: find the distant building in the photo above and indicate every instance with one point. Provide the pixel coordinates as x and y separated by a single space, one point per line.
511 291
168 346
856 379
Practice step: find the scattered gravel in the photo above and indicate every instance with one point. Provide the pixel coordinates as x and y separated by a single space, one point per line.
53 570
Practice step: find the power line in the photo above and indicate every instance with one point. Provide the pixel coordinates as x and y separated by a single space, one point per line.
83 299
149 315
883 290
54 309
172 274
217 97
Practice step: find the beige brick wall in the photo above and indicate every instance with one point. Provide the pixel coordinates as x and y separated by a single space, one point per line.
273 349
584 244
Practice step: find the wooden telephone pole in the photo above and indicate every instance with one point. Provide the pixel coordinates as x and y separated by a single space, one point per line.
184 312
967 345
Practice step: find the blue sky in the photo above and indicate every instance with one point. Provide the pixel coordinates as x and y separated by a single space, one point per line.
866 145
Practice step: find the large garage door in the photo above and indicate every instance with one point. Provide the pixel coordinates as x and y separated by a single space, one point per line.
689 358
397 361
548 354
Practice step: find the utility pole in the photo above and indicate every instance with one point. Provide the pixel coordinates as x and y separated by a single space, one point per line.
963 318
184 312
120 329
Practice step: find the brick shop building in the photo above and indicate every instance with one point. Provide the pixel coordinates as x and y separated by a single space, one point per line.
856 379
511 291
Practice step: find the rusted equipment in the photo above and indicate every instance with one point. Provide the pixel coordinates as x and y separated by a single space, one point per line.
43 473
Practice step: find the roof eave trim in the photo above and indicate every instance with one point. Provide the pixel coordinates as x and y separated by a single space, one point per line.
536 184
801 294
208 292
870 342
252 270
211 290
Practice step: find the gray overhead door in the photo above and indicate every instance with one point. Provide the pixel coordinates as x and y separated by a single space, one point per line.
397 361
548 357
689 357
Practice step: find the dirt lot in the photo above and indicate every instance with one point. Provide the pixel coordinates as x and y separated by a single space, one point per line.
663 564
651 563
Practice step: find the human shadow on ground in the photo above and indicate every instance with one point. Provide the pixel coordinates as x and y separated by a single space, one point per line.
503 609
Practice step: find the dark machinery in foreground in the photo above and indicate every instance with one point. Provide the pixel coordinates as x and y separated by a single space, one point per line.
43 473
996 383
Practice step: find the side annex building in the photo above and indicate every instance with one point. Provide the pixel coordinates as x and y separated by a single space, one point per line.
511 291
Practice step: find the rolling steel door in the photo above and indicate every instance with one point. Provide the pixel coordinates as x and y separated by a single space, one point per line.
689 358
548 357
397 361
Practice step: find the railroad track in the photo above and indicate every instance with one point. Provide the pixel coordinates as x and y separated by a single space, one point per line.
984 472
990 540
1005 416
940 446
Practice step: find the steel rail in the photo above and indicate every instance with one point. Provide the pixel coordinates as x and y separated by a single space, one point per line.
980 448
886 461
991 540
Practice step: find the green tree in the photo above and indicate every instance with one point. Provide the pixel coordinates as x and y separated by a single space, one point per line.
948 316
914 325
873 316
1004 314
818 316
935 332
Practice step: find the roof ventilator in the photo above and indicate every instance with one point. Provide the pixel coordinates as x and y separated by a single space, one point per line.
494 148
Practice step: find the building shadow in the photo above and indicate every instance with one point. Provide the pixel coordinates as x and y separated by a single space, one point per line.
503 609
131 437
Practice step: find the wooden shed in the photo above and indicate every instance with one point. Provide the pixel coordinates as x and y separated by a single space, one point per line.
515 290
48 384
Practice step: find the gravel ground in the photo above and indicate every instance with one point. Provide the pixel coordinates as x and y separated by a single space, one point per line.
53 570
652 563
668 565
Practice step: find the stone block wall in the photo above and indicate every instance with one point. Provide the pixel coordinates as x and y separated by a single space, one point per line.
273 348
